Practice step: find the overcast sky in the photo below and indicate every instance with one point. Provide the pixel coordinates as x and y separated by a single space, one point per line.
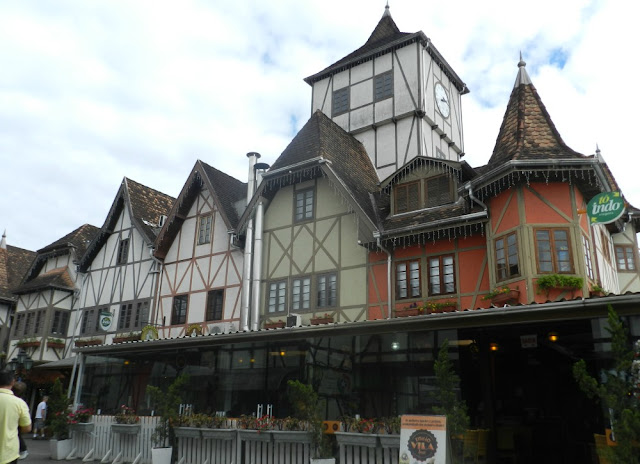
92 91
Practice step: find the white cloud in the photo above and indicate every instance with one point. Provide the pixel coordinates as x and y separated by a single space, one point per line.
94 91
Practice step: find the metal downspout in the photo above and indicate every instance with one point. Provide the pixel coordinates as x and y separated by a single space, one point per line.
473 198
379 242
257 265
248 248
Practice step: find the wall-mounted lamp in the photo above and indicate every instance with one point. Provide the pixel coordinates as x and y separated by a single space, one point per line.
494 346
553 336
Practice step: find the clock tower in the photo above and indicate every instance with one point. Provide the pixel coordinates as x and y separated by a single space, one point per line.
397 95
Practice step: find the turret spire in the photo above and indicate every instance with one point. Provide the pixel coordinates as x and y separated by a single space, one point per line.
386 10
3 242
523 77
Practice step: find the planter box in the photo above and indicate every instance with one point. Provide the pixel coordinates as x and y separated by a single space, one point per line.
321 320
357 439
291 436
445 309
389 441
254 435
60 449
274 325
187 432
126 429
55 345
125 339
161 455
35 344
81 343
323 460
511 297
407 312
218 434
86 427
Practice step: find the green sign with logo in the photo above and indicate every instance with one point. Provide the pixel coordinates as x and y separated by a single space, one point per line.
605 208
106 318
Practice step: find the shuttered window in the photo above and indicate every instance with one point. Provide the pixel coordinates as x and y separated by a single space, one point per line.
383 86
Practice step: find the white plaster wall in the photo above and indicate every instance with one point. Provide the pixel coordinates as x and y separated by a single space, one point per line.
362 72
362 117
384 110
406 81
383 64
362 94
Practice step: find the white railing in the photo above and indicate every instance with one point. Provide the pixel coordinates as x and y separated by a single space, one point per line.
364 448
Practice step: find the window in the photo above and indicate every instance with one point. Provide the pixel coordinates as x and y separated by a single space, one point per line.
277 297
383 86
507 257
60 322
625 257
441 275
438 191
604 238
327 290
19 325
340 101
39 324
408 279
123 251
215 304
204 230
88 319
553 250
587 257
179 310
407 197
304 205
28 327
300 293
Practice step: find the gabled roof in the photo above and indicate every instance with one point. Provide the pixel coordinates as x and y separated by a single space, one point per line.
77 240
145 206
337 151
226 192
14 263
527 132
56 278
387 37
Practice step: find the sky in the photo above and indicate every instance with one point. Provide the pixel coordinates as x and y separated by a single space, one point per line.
93 91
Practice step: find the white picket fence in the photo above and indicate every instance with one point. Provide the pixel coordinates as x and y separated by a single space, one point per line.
99 441
362 448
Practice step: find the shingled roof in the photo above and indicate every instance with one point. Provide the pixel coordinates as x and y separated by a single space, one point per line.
58 278
386 37
145 205
79 239
527 132
227 192
322 138
14 263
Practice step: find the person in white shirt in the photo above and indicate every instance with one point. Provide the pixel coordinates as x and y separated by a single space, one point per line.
41 415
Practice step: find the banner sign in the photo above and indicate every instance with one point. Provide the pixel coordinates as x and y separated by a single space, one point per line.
605 208
423 439
106 318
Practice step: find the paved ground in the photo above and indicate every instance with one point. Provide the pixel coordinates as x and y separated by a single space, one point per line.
39 452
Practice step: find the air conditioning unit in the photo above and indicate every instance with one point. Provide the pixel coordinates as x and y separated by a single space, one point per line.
222 328
294 320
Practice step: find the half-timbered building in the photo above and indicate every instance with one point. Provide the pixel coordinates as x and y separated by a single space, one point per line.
118 272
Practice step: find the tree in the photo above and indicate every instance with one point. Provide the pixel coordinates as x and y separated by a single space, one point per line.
58 408
618 391
167 405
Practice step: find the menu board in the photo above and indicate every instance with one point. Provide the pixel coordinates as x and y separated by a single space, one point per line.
423 440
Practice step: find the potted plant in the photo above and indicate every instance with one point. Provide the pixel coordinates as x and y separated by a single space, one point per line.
414 309
81 419
87 342
274 324
324 319
305 405
504 295
55 343
597 290
446 399
440 306
126 421
167 404
58 410
558 282
28 343
618 388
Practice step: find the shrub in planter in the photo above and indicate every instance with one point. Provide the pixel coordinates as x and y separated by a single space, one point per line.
81 416
558 281
126 416
167 404
58 410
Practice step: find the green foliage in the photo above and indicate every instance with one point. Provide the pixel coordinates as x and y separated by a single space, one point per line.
618 391
57 411
547 282
306 407
497 291
167 406
445 396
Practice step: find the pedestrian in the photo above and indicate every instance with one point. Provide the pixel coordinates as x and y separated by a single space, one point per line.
19 388
14 413
41 415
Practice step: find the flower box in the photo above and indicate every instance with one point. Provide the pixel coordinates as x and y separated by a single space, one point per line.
187 432
126 429
357 439
218 434
55 345
321 320
510 297
29 344
291 436
447 308
389 441
81 343
405 312
126 339
274 325
86 427
255 435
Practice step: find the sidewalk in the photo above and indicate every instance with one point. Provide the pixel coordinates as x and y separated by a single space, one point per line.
39 452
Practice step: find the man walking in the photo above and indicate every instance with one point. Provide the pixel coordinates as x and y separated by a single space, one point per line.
41 415
14 413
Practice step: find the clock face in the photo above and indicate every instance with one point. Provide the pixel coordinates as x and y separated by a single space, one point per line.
442 100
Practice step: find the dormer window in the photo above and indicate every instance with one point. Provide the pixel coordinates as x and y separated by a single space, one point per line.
423 193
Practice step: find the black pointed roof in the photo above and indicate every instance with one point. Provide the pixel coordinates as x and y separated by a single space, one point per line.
527 132
385 37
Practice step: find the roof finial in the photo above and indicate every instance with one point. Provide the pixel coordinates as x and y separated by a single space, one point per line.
386 10
3 242
522 78
521 63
